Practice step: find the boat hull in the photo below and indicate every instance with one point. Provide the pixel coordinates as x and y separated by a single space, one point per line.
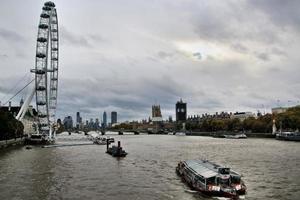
288 138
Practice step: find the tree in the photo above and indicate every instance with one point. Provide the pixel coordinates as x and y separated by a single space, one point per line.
9 126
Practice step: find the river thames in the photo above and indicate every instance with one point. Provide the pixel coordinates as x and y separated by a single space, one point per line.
270 168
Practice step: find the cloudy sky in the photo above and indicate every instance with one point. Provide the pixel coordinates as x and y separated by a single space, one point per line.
126 55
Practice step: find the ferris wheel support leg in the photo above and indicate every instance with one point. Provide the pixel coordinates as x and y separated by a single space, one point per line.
50 133
25 105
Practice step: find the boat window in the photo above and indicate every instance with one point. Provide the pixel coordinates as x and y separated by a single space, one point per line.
199 178
235 179
224 170
224 181
210 180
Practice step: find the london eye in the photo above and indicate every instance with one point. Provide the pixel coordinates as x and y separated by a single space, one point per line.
45 72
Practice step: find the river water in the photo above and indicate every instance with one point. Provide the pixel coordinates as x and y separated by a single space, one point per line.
270 168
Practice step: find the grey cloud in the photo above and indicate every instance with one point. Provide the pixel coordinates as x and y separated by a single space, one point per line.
233 24
3 56
11 36
97 38
197 55
73 39
164 55
277 51
240 48
130 99
282 13
263 56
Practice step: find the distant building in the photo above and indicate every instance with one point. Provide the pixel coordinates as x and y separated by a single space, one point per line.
78 120
97 124
68 122
181 111
114 117
242 115
170 119
12 109
91 123
156 113
279 110
104 122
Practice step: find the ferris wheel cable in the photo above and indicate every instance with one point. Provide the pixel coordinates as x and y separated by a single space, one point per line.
26 89
19 91
15 86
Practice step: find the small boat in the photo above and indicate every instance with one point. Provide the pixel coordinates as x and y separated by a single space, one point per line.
120 133
102 140
237 136
116 151
28 147
211 179
180 133
289 136
99 140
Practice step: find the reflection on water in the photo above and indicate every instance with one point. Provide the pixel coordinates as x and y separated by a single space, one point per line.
270 168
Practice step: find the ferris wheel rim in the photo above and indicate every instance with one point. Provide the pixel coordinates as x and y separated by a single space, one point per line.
46 67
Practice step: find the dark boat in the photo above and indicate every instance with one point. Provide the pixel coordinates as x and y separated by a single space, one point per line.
116 151
120 132
136 133
211 179
288 136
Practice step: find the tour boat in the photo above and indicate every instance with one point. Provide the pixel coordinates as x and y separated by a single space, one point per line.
289 136
211 179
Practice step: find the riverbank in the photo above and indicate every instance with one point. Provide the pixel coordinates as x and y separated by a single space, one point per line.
221 134
12 142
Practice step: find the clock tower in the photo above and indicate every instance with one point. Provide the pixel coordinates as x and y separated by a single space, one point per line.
180 111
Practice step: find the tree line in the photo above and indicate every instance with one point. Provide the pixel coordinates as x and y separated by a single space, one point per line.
289 120
10 127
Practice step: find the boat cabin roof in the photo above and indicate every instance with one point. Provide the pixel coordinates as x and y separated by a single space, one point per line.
205 168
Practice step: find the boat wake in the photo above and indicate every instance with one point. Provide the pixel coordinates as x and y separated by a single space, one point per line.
225 198
190 191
